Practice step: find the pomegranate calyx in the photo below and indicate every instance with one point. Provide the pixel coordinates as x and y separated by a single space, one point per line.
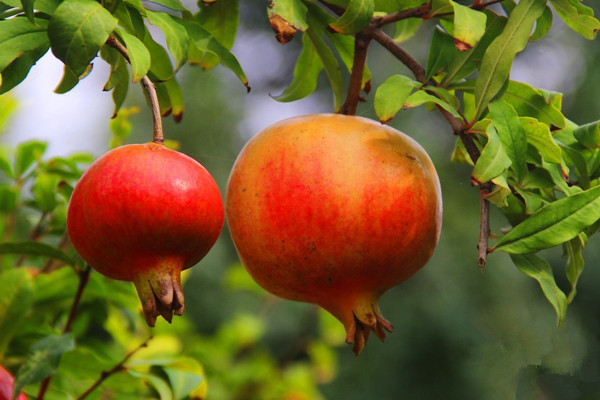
160 293
363 322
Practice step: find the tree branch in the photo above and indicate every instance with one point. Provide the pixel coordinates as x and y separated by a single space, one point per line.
117 368
401 54
484 226
150 88
361 44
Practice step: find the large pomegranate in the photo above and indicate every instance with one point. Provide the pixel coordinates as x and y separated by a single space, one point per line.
6 386
334 210
143 213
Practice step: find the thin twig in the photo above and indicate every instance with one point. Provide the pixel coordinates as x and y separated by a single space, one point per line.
117 368
401 54
84 277
484 226
150 88
415 12
361 44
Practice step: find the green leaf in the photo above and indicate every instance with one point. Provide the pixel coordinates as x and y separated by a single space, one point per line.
499 56
161 68
577 16
537 268
17 70
43 360
28 9
539 136
16 298
542 25
574 265
493 160
221 20
391 96
511 134
44 190
421 97
291 11
175 34
358 14
9 197
158 384
464 63
77 30
139 56
531 102
406 28
588 135
182 382
344 44
330 63
469 26
32 248
554 224
19 36
118 81
206 42
306 72
172 4
441 51
26 154
68 81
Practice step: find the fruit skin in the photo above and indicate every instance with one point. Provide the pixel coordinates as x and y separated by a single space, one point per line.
6 386
334 210
143 213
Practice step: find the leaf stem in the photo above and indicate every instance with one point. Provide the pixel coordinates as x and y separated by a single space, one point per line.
84 277
117 368
361 44
150 88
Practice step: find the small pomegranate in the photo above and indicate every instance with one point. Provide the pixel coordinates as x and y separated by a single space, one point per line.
334 210
6 386
143 213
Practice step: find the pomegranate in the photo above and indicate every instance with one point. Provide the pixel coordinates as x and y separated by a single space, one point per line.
143 213
334 210
6 386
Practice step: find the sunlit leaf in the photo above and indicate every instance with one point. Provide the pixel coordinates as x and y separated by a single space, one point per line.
511 134
498 58
358 14
175 35
539 136
578 17
421 97
588 135
77 30
493 160
539 269
469 26
554 224
19 36
139 56
28 153
391 96
531 102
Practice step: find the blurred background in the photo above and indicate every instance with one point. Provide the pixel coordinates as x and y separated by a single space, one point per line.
460 333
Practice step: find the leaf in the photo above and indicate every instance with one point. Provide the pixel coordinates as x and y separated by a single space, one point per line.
391 96
539 136
161 68
172 4
306 72
344 44
16 298
469 26
32 248
441 52
588 135
286 17
158 384
577 16
406 28
77 30
68 81
44 190
574 265
537 268
19 36
139 56
205 42
221 20
28 9
358 14
175 35
542 25
17 70
493 160
464 63
499 56
530 102
26 154
330 63
43 359
9 198
183 382
421 97
554 224
511 134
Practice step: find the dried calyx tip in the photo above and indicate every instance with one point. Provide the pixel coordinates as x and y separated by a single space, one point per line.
161 294
361 326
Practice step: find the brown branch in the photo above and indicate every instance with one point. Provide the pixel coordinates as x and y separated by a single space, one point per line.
84 277
361 44
150 88
117 368
415 12
401 54
484 226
